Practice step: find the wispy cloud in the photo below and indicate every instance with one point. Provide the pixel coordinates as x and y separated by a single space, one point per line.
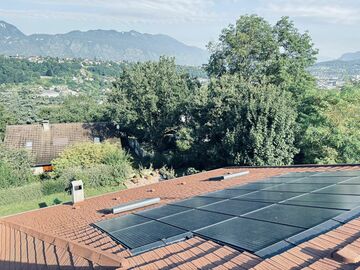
331 11
126 11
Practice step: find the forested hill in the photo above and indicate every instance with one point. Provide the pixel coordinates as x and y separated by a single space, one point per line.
350 56
100 44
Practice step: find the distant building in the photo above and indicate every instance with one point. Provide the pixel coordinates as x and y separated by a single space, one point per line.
46 141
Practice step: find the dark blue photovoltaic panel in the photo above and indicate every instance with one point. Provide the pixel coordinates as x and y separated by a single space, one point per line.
352 181
268 196
255 186
148 235
277 180
122 222
341 173
298 174
341 189
162 211
194 219
297 187
299 216
235 207
227 193
247 234
321 180
344 202
264 217
195 202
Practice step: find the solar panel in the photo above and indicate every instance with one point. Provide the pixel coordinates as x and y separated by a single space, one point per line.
268 196
352 181
247 234
341 173
198 201
321 180
122 222
162 211
255 186
227 193
341 189
312 197
148 235
297 187
235 207
297 174
195 219
277 180
263 217
299 216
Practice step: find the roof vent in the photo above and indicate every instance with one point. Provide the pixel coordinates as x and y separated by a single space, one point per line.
346 255
228 176
46 125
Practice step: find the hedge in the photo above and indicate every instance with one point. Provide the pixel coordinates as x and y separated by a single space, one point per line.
19 194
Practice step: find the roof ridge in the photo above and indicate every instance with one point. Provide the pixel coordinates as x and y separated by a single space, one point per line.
91 254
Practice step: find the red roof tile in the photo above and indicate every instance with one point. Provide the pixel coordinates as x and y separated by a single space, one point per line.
61 235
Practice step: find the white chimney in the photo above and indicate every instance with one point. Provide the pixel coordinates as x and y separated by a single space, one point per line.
46 125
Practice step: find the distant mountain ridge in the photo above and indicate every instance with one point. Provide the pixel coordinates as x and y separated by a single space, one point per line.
112 45
350 56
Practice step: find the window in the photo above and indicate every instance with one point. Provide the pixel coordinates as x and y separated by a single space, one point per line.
28 145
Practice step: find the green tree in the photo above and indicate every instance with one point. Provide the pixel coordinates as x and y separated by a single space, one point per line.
5 119
15 167
237 122
149 101
258 52
83 108
330 126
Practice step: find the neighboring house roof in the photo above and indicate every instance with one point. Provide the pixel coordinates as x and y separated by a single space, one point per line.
46 141
65 226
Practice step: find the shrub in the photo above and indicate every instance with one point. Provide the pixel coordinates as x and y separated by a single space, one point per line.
96 176
15 168
167 173
191 170
18 194
53 186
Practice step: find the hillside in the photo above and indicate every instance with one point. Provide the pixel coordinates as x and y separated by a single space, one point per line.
100 44
350 56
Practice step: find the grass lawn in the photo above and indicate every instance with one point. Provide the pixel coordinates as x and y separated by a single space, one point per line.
50 200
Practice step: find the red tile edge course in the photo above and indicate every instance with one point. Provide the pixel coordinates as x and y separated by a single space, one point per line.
106 260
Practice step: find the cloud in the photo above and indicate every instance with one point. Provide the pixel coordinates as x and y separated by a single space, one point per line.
331 11
124 11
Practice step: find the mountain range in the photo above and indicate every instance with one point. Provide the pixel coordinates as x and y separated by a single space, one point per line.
112 45
350 56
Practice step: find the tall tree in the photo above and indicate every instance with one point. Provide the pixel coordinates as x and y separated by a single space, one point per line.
5 119
149 102
259 52
243 123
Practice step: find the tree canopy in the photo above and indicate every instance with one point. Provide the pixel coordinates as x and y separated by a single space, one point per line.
149 101
259 52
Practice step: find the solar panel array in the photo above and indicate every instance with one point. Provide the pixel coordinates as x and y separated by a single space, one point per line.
263 217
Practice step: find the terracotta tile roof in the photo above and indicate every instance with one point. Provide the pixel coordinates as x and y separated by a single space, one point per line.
73 226
46 145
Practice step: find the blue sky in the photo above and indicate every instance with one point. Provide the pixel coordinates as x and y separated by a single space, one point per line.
333 24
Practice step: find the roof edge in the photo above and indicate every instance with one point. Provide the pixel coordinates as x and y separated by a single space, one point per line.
294 166
102 259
